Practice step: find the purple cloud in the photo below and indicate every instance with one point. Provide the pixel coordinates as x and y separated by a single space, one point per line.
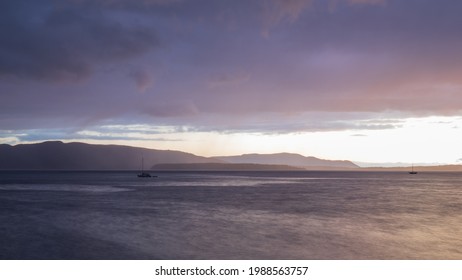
64 43
206 64
143 79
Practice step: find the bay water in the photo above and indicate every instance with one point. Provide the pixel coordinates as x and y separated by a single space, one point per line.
230 215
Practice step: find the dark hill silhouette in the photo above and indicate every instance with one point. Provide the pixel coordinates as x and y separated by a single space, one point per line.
56 155
289 159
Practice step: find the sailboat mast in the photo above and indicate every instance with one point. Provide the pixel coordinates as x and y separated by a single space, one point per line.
143 174
412 171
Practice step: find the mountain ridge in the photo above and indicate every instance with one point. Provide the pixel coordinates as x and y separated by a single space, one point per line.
57 155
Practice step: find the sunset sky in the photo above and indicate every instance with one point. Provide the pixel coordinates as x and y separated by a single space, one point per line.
362 80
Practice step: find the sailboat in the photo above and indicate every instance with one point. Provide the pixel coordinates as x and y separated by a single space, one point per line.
412 171
143 174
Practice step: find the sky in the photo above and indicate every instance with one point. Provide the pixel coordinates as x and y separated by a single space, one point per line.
362 80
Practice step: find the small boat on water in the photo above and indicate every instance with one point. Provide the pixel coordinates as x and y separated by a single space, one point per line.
412 171
144 174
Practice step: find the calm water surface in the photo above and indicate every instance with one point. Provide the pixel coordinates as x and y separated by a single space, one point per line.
237 215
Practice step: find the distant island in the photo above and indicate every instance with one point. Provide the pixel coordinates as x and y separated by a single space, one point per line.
434 168
224 167
56 155
290 159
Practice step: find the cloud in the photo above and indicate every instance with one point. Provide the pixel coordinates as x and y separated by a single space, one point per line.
143 79
124 4
104 132
172 109
63 43
370 2
225 79
277 123
277 11
390 57
110 135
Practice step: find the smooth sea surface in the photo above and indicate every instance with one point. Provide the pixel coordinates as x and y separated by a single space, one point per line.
230 215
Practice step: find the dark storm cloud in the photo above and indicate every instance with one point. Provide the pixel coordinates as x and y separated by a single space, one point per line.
58 41
229 65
